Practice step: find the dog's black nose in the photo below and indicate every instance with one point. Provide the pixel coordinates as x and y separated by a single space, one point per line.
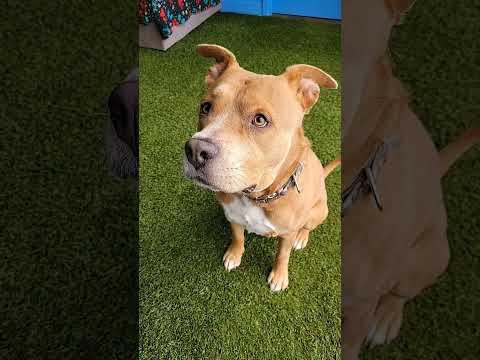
199 151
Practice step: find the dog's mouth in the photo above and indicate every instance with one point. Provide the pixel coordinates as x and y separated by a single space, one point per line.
205 184
200 180
217 181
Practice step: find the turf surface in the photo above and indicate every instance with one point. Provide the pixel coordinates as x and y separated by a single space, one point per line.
190 308
436 55
69 231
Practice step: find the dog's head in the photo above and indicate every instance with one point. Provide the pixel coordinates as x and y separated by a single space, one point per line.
366 29
248 122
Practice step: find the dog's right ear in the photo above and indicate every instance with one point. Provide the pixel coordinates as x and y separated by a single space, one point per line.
223 57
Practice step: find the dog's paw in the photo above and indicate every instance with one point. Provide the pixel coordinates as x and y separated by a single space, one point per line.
278 280
301 239
388 320
232 258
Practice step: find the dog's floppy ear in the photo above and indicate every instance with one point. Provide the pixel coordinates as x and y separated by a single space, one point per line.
223 57
399 8
307 80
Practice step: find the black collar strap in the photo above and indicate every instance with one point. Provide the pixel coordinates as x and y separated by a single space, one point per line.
292 181
366 180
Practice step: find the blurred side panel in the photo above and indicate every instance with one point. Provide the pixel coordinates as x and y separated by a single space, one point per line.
69 229
410 179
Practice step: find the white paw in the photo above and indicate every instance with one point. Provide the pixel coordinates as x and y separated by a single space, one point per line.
231 259
301 240
384 332
278 281
388 321
298 245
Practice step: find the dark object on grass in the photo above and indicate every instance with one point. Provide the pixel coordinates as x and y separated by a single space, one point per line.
121 133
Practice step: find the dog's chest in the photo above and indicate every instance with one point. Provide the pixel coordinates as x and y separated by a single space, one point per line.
243 211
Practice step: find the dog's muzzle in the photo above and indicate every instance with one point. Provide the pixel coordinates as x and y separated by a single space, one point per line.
200 151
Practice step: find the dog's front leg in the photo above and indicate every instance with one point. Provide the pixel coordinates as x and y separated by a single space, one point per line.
357 317
233 255
278 278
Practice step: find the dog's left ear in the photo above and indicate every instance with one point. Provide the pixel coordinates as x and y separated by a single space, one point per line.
223 57
307 80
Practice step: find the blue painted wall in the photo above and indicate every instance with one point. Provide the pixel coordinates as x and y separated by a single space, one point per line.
327 9
251 7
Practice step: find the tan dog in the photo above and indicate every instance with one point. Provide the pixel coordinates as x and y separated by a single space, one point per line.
394 240
251 150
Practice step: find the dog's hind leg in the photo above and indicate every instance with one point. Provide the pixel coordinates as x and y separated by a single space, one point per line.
426 260
317 215
301 239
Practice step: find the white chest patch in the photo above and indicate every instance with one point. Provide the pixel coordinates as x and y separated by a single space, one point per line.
243 211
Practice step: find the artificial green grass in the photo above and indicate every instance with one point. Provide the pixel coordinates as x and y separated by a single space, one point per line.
68 278
436 54
190 308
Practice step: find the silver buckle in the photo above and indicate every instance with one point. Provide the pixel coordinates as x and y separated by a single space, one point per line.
373 187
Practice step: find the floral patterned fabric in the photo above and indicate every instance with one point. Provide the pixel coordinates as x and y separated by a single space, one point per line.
168 13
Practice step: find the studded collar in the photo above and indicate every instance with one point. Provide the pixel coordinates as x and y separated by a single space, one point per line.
378 148
365 182
292 181
276 191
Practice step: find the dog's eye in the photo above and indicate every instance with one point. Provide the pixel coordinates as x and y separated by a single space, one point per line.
205 108
260 121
